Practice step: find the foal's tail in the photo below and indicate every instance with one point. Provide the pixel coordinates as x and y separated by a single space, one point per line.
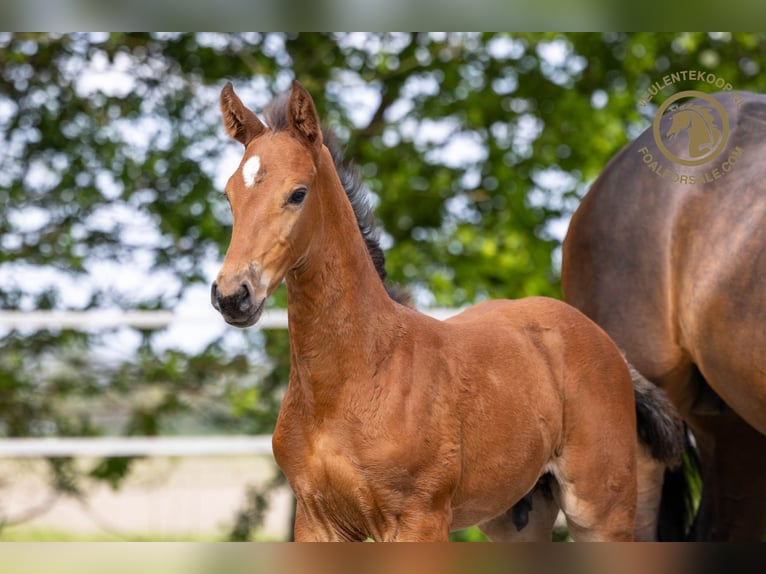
660 426
661 429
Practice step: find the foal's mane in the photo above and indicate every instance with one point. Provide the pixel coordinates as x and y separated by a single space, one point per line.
275 115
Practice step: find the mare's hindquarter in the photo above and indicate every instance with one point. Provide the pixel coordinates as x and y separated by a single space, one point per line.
674 272
457 420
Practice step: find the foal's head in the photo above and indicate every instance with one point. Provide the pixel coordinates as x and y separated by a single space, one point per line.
271 201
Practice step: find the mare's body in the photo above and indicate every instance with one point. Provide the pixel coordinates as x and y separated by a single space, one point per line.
675 272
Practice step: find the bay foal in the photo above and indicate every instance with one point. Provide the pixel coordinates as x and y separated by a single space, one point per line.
396 426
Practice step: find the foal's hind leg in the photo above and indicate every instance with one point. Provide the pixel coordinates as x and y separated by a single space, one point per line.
598 497
650 474
596 474
530 520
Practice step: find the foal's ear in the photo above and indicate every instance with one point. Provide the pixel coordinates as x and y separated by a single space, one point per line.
240 123
302 117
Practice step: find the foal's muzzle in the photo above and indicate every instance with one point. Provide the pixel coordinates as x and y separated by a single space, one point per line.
240 308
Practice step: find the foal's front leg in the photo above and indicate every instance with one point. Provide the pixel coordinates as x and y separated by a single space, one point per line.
410 527
308 529
422 526
304 531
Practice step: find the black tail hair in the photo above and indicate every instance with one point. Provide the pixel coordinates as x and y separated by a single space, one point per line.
678 505
660 426
661 429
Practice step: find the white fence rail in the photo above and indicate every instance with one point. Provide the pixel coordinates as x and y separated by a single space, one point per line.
111 318
135 446
138 446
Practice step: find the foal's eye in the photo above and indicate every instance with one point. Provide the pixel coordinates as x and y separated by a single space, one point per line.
297 196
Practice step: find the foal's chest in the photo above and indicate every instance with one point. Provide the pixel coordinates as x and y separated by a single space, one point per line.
330 467
331 485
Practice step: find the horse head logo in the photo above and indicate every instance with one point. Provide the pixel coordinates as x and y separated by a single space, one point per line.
702 122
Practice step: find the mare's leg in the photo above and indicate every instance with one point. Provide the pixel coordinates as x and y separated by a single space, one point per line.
530 521
733 457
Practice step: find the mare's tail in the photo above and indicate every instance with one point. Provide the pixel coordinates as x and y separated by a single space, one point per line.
677 506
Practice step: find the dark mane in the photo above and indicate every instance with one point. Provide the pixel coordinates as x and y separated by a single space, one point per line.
275 115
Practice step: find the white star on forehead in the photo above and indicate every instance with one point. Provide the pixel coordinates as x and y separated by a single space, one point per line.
250 170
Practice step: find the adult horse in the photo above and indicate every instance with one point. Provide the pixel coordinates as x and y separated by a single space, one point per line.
396 426
674 272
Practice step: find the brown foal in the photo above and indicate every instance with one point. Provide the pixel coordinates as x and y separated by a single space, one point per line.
397 426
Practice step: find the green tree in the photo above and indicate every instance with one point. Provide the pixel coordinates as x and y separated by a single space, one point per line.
476 148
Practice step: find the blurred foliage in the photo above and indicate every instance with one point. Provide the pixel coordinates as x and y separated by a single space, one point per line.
251 516
476 148
472 534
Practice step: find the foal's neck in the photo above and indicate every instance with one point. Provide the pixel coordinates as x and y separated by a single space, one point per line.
340 315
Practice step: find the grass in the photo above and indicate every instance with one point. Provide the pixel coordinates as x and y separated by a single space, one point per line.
32 534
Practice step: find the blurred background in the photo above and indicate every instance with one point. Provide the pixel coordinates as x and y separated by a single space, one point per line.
476 149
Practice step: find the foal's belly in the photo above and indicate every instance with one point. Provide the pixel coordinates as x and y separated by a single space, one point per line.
490 487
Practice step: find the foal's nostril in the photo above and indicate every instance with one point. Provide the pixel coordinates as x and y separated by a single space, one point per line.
214 296
243 294
233 306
